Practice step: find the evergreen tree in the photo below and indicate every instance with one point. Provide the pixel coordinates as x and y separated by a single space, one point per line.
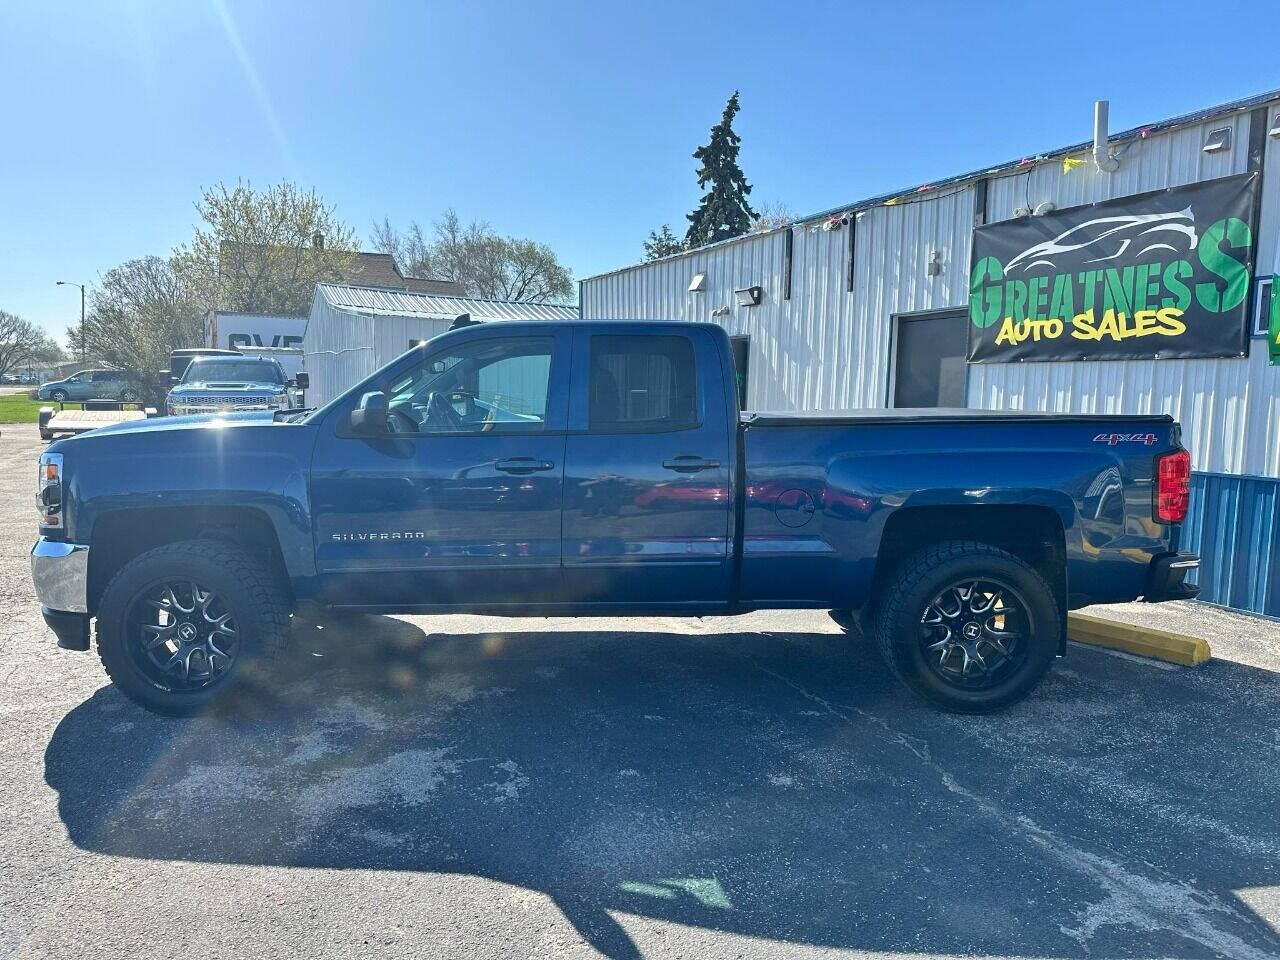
723 211
661 244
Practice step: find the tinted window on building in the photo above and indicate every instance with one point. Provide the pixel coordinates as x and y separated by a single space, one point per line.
641 384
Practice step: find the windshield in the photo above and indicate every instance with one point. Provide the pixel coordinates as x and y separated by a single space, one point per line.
238 371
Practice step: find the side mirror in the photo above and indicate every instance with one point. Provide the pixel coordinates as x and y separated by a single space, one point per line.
370 417
172 378
302 381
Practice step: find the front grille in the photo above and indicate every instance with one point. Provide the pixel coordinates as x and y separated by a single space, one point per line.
217 404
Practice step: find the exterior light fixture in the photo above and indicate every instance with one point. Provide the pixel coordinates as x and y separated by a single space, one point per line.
749 296
1275 126
934 265
698 282
1218 140
1047 206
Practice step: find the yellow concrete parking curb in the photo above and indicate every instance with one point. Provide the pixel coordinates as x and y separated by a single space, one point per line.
1143 641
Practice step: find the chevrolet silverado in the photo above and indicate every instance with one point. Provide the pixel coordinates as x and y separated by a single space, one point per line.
592 468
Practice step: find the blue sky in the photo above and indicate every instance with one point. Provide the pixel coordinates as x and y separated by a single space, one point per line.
571 123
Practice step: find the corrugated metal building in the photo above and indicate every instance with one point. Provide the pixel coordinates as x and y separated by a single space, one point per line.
843 291
352 331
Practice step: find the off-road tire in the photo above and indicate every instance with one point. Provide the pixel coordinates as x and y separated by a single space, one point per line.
897 615
259 602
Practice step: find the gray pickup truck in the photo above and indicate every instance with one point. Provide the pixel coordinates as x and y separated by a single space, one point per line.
222 384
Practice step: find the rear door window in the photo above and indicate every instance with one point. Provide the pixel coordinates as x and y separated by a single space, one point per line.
642 384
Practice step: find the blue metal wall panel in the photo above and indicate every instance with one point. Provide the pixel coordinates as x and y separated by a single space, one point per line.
1234 525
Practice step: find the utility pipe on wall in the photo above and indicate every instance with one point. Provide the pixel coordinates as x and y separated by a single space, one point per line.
1102 158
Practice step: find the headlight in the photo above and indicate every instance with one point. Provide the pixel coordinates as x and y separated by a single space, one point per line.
279 401
49 490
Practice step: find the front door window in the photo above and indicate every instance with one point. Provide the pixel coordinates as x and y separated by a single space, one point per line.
485 386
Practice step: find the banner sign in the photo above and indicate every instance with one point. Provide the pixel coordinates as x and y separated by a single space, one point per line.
1157 275
245 331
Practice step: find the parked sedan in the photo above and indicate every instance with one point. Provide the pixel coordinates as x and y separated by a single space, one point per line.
90 385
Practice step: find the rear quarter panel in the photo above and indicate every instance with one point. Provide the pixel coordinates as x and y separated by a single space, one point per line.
818 498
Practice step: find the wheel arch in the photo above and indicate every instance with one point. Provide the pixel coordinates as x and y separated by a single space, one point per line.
1032 533
121 535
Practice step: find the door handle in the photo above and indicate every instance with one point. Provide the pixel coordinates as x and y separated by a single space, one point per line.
522 465
689 464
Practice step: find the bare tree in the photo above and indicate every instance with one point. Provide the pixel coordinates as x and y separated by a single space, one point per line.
771 216
21 341
263 251
140 311
484 263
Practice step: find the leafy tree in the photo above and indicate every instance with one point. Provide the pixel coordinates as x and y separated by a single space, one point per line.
723 211
140 311
662 243
484 263
22 342
263 251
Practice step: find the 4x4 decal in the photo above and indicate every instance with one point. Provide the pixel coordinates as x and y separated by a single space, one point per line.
1111 439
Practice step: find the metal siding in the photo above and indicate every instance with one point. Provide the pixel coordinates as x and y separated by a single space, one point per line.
827 349
1270 215
660 291
1162 160
890 277
1234 525
338 350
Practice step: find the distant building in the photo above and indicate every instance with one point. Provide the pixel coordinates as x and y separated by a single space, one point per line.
381 270
240 330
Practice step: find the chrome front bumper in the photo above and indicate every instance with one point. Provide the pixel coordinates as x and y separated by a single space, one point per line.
60 572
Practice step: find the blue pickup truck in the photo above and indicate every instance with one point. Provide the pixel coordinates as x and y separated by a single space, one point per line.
592 468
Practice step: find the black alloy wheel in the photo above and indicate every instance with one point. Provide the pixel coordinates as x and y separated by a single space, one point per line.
973 632
184 635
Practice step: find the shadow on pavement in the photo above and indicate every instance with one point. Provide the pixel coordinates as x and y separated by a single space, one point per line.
771 785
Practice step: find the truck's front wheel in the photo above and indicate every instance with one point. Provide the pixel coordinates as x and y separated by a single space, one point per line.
181 625
968 626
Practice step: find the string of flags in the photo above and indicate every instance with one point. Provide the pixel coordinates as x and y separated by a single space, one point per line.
837 220
1070 163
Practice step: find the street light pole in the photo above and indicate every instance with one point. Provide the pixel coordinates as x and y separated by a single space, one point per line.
65 283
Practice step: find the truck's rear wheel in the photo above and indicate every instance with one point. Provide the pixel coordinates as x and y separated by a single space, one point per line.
181 625
968 626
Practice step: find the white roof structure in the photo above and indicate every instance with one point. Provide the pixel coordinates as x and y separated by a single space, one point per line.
404 303
352 331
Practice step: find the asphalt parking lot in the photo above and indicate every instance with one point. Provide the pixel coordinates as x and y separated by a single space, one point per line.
747 787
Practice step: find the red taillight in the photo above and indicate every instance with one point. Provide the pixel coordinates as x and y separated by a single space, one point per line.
1173 486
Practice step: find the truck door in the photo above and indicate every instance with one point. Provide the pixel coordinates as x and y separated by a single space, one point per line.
460 503
647 493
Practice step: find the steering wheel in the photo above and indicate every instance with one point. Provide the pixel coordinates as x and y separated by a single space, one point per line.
400 422
440 413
